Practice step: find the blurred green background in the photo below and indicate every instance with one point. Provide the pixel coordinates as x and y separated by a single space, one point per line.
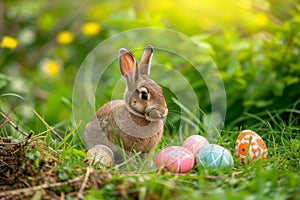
255 44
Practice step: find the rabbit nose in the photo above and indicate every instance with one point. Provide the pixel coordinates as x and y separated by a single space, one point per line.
164 113
156 114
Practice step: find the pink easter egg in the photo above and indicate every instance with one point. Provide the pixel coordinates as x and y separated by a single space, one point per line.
195 142
177 159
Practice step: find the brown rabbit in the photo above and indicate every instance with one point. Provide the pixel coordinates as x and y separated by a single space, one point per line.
135 123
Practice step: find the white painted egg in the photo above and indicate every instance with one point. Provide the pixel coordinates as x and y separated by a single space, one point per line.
101 154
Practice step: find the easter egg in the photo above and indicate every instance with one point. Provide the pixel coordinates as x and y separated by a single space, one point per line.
214 156
101 154
195 142
176 159
249 145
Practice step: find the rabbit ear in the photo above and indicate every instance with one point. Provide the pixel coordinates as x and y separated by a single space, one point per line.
146 60
127 65
126 61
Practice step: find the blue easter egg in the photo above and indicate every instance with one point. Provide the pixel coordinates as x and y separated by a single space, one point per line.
214 156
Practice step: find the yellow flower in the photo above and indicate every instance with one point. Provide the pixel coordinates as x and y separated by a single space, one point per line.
261 19
65 37
91 28
51 67
9 42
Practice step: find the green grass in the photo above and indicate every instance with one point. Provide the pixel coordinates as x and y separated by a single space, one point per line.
248 54
274 178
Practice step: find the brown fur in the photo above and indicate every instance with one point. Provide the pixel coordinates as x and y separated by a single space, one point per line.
132 124
116 133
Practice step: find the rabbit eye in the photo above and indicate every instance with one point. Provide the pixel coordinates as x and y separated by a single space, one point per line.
144 95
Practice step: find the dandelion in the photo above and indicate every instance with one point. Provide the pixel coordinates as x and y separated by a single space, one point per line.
9 42
261 19
65 37
91 28
51 67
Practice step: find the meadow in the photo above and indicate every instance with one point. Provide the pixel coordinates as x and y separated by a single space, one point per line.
224 66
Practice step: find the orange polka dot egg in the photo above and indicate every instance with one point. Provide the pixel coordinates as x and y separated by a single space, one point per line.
250 146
